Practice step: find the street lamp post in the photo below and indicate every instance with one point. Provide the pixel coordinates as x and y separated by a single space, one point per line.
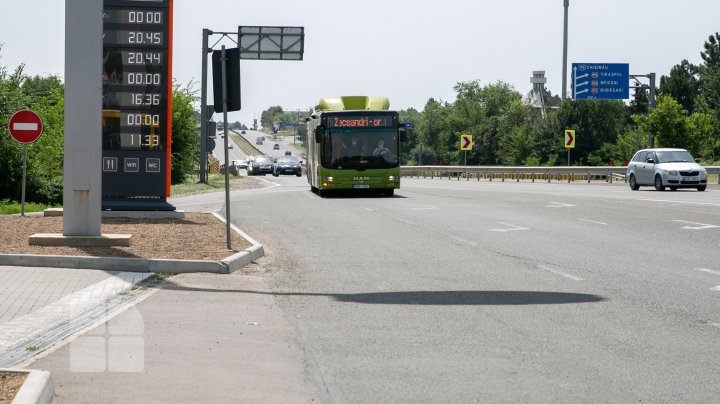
566 4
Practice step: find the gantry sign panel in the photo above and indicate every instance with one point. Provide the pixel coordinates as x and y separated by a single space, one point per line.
137 100
271 43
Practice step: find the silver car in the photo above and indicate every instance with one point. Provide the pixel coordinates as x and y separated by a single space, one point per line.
661 168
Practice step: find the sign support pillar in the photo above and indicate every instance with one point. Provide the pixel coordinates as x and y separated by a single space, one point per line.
24 177
82 171
223 60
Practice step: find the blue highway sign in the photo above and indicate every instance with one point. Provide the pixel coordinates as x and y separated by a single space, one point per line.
601 81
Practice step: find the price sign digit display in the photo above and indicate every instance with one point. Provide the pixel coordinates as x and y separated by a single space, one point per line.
137 99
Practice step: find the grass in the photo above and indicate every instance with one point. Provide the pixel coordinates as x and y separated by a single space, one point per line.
215 182
8 207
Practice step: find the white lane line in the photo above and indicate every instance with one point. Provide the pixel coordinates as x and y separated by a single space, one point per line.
559 205
510 227
713 272
462 240
709 271
697 226
593 221
680 202
426 207
558 272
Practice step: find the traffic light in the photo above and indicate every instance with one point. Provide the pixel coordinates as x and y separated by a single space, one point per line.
210 138
232 79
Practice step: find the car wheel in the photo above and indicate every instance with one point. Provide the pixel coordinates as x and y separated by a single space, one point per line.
658 183
702 188
298 174
673 188
633 183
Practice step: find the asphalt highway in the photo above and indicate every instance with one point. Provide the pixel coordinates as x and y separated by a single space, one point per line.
465 291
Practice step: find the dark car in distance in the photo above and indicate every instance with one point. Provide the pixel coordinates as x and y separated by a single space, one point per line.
261 165
287 165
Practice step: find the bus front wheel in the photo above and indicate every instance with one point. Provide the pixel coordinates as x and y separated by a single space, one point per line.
389 192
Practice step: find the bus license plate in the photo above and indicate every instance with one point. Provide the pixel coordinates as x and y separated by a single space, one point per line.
361 186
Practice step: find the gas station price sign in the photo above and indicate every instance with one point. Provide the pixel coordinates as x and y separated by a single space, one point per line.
137 94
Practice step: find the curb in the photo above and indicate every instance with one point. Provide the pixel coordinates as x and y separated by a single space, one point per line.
37 388
169 266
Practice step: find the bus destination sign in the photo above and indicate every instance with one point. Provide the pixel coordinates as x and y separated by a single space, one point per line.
360 121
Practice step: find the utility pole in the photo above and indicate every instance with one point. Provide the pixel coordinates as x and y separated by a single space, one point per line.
203 109
566 4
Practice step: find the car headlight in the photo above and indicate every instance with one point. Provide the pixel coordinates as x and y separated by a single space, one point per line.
670 172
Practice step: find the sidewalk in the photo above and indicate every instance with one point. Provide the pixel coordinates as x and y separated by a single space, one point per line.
199 337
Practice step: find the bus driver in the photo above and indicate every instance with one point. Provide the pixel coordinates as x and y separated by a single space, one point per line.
381 149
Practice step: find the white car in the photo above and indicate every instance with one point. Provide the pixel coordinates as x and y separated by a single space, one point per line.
661 168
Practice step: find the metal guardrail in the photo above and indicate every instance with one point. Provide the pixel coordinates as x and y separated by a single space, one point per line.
503 173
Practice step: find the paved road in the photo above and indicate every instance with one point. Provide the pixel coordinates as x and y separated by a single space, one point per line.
477 291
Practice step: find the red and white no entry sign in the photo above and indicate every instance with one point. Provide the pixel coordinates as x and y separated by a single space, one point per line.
25 126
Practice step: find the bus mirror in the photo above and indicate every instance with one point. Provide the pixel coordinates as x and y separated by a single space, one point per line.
404 128
403 135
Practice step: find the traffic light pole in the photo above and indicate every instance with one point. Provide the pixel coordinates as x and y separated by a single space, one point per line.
652 102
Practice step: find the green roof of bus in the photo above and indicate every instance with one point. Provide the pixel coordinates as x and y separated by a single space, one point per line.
354 102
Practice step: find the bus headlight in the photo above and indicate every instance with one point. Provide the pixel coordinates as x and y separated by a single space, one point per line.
391 178
328 179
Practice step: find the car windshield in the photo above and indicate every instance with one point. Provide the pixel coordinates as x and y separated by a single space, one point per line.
674 156
287 160
264 160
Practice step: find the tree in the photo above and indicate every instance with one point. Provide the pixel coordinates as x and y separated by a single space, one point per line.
12 99
709 74
184 132
682 84
268 116
408 153
671 126
430 129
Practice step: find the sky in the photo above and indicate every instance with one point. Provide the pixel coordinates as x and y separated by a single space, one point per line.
408 51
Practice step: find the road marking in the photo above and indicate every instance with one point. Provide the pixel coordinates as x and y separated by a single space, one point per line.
462 240
716 288
366 209
697 226
405 221
593 221
425 207
511 227
680 202
558 272
559 205
710 271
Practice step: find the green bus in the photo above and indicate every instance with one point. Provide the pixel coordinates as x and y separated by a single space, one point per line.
353 144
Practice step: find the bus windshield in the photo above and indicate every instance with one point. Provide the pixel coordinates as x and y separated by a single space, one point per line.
360 148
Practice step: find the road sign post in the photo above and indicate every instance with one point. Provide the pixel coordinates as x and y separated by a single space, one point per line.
466 144
569 142
25 127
